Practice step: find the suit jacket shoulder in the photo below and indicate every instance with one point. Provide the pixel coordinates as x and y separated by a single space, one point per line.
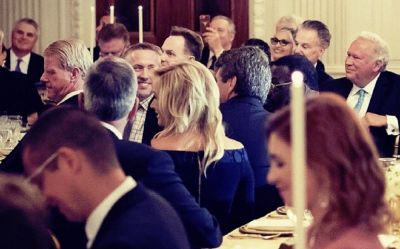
141 219
151 126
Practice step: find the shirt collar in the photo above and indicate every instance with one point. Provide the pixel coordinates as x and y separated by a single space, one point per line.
145 103
369 88
25 59
70 95
98 215
112 129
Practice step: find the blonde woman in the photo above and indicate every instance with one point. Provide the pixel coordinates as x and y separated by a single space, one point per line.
283 43
214 168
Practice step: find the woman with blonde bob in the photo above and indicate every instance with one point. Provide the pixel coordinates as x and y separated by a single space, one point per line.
345 184
214 168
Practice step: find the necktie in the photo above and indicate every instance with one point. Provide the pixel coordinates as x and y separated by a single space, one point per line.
213 60
17 68
361 95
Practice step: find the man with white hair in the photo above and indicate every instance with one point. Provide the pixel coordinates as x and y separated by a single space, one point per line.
372 91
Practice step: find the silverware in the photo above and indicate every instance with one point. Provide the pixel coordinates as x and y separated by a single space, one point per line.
254 236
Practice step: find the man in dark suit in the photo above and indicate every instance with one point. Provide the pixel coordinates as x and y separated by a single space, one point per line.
73 160
370 90
66 64
20 57
18 95
244 78
313 38
112 100
144 58
218 38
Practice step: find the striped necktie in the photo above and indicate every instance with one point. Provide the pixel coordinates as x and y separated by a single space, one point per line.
361 95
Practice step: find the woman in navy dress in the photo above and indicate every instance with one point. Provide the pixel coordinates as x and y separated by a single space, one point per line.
214 168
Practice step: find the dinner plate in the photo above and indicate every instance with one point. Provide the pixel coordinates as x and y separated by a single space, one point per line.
249 230
281 210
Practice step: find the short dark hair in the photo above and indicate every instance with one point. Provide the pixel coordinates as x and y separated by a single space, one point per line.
110 89
143 46
193 43
113 31
255 42
251 68
65 126
322 30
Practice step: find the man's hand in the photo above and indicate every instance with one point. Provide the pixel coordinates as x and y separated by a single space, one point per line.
211 37
375 120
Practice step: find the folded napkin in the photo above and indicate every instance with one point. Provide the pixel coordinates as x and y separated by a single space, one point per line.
270 224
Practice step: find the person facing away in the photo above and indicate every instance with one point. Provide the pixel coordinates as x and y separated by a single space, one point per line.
64 154
282 70
215 169
345 184
244 77
371 90
110 94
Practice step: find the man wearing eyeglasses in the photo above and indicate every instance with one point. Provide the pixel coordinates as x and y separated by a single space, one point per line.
113 40
312 39
144 58
72 159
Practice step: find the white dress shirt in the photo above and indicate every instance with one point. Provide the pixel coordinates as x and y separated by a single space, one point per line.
97 216
69 95
112 129
23 65
392 122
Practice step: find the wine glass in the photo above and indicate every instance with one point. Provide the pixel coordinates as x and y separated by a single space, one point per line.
308 218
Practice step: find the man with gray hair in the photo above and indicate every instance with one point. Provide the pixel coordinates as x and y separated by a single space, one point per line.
110 93
218 37
65 65
312 39
244 78
370 90
20 57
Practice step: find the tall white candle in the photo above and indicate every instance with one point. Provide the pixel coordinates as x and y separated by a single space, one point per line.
112 14
140 9
92 30
298 156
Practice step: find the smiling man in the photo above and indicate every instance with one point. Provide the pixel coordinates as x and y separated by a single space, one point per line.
144 58
370 90
20 57
181 45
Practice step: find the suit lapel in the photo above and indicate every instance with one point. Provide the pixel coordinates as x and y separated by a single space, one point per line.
379 94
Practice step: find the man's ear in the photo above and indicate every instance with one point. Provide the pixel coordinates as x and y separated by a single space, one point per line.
232 84
75 74
378 65
69 160
135 107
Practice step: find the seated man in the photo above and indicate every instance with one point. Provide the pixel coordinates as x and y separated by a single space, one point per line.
18 95
110 93
64 154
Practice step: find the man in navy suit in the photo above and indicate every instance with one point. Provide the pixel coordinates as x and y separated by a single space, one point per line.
71 157
110 93
244 78
20 57
370 90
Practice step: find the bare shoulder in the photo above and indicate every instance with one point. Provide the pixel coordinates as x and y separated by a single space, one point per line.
231 144
161 143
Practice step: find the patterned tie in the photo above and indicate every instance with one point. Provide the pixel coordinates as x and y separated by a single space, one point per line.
17 68
361 95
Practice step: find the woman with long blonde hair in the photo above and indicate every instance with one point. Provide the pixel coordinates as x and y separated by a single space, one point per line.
214 168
